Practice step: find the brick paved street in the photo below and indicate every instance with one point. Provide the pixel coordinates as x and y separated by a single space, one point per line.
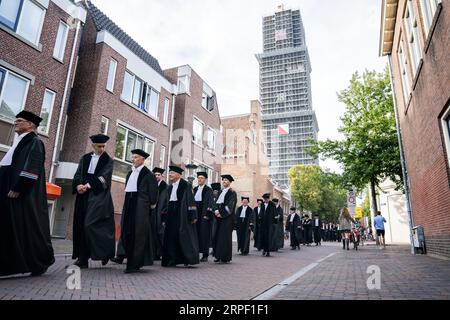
344 276
245 278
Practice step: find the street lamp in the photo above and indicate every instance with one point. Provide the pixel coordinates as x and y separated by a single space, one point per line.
191 167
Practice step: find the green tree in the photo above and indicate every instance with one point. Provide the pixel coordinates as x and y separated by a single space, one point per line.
369 152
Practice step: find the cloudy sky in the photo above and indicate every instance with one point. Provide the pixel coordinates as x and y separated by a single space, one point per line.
219 39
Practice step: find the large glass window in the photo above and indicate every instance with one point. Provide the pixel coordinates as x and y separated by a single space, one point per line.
9 13
140 94
46 111
153 102
428 9
127 91
404 72
12 94
197 135
127 140
30 23
61 41
412 32
211 139
184 84
166 111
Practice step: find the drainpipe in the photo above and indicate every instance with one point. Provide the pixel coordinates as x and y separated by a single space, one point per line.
174 99
62 113
402 159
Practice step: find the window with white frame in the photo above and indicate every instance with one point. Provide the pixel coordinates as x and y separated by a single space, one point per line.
166 111
404 71
207 102
184 84
412 33
197 134
111 75
127 140
446 129
61 41
211 140
104 125
13 91
162 157
25 17
428 9
138 93
46 111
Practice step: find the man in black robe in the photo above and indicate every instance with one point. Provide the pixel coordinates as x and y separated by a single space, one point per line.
293 227
25 245
156 222
244 222
224 211
257 229
141 196
205 202
217 189
317 230
93 226
180 245
307 230
267 225
278 236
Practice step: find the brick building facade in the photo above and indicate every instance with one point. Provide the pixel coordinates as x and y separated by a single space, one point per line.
415 37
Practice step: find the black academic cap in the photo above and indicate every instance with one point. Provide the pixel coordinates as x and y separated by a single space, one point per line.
203 174
260 200
176 169
216 186
29 116
243 198
266 196
293 208
228 177
140 152
275 200
158 170
99 138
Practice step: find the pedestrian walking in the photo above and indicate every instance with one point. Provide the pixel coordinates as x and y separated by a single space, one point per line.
25 245
378 223
345 223
156 218
267 225
293 227
257 233
317 227
244 222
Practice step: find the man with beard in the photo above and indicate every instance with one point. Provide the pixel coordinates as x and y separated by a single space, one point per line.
180 245
25 245
224 212
278 242
257 230
267 225
293 226
156 222
204 200
244 221
93 226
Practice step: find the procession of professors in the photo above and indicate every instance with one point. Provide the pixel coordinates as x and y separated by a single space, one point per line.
174 223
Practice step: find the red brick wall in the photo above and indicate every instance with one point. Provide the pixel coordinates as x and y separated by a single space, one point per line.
423 141
49 72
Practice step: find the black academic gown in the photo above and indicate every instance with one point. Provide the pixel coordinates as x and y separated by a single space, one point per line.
136 237
243 229
156 222
267 226
279 231
223 240
180 236
205 218
317 231
307 231
93 225
257 234
294 230
25 244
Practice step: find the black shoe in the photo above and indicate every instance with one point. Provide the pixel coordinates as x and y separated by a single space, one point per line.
117 260
264 253
268 254
38 273
131 270
105 262
217 260
82 264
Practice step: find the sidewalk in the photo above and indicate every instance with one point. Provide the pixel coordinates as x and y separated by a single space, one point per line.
344 276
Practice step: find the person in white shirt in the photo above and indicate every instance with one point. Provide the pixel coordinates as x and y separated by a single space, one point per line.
244 222
93 225
141 196
317 230
293 226
205 202
157 218
258 219
180 245
267 225
224 212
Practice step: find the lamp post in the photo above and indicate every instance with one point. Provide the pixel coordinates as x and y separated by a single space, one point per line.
191 167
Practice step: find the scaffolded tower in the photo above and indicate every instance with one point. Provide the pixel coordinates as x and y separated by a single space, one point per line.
289 121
